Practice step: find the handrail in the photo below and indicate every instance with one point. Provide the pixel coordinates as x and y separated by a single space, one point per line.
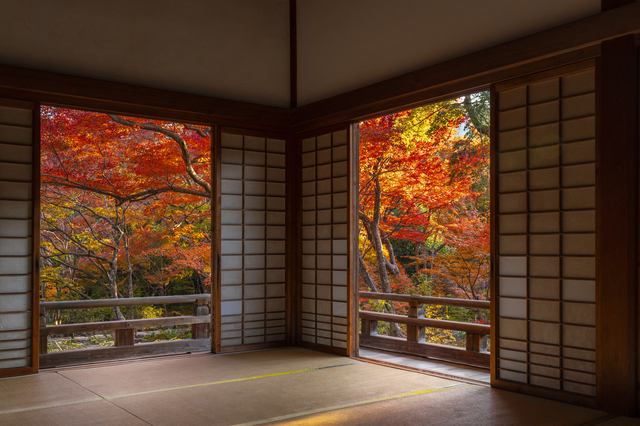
124 339
130 301
427 300
123 325
475 351
427 322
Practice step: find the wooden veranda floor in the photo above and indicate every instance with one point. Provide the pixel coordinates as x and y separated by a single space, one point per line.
290 386
448 370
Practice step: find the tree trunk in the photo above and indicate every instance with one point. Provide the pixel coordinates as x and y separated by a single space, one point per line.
113 267
373 232
127 255
364 273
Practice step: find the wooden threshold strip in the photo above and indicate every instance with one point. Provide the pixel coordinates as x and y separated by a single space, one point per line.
84 356
431 350
422 371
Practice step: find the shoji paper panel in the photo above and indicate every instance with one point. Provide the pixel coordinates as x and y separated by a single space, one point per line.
16 235
545 237
325 236
252 262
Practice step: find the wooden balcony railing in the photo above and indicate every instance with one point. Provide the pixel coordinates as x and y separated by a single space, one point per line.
125 330
475 352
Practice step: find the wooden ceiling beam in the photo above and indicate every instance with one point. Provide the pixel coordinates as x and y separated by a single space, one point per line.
470 70
89 93
612 4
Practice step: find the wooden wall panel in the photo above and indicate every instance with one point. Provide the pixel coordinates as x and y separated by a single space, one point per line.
18 303
544 232
253 241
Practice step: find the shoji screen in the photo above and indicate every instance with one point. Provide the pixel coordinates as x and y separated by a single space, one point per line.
544 229
253 230
16 238
326 285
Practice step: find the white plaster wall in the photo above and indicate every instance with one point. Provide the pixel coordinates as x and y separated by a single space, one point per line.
347 44
230 49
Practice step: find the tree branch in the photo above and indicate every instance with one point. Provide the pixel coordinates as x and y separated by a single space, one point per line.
177 138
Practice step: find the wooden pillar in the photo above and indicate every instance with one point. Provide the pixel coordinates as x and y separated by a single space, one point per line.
617 226
293 55
125 337
216 240
294 240
200 331
43 337
369 327
415 333
476 342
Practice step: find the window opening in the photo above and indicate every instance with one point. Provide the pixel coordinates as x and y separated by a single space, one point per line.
424 248
125 213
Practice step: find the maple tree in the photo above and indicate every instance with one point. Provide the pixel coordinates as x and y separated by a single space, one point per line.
424 182
125 205
462 268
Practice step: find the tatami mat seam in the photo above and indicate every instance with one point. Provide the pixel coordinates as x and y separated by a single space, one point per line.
220 382
105 399
110 398
84 401
349 405
42 407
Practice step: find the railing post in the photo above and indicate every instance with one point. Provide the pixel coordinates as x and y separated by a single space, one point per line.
415 333
125 337
476 342
369 327
43 324
200 309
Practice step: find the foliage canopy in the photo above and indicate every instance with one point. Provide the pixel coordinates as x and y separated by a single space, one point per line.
125 206
424 204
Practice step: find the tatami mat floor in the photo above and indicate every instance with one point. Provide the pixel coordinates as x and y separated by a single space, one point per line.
291 386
